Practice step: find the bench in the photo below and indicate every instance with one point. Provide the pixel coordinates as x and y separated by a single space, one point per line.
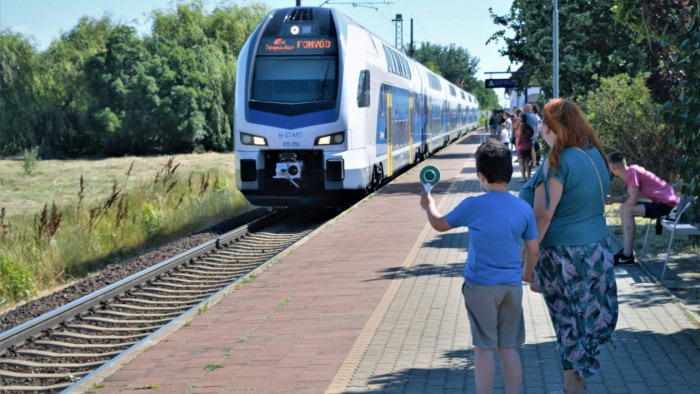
673 223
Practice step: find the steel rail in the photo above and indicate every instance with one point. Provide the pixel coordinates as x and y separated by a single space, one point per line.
35 327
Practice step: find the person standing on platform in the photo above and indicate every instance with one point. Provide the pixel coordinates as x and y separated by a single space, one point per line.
575 269
640 183
504 136
524 148
497 222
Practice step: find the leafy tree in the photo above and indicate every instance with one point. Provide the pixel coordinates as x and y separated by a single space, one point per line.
459 67
670 31
591 45
65 96
625 118
455 64
18 101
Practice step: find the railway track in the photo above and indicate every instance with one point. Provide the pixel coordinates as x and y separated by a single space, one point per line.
55 350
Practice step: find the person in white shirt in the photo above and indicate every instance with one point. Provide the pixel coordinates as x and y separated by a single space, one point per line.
504 137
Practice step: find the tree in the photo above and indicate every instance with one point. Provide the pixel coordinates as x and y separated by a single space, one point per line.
18 101
625 119
591 45
670 31
455 64
63 88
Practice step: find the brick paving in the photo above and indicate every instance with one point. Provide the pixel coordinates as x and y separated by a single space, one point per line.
372 303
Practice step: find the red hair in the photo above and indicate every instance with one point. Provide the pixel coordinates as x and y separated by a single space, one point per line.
565 120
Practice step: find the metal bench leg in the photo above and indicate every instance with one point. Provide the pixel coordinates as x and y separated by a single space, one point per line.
645 240
668 253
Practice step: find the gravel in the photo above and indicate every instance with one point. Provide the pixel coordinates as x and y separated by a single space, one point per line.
117 271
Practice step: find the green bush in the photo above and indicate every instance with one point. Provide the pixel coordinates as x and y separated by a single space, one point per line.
152 219
16 280
30 158
625 119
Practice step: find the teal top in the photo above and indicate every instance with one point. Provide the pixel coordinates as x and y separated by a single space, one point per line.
578 219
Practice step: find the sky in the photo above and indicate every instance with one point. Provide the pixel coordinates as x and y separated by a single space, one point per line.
465 23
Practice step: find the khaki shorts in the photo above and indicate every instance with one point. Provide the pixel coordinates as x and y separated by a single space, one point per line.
495 315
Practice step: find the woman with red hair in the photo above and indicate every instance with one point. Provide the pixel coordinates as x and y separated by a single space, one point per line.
575 268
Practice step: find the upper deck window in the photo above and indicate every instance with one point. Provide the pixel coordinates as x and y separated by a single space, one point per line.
434 82
397 63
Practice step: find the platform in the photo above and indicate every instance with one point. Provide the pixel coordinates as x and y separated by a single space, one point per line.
371 302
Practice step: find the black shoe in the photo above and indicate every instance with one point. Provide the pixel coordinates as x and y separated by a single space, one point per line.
619 254
622 259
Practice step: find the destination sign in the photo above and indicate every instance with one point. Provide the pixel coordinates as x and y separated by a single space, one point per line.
297 46
500 83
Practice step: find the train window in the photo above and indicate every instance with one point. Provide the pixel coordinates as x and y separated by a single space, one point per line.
434 82
462 92
397 64
363 88
452 91
294 79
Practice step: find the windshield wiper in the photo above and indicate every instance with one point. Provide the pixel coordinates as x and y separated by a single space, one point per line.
323 85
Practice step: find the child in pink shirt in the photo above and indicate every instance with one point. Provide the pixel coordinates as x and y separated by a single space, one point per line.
640 183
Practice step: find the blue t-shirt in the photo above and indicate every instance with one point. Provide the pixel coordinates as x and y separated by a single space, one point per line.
497 222
578 219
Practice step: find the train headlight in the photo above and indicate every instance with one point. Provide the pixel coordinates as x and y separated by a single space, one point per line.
331 139
249 139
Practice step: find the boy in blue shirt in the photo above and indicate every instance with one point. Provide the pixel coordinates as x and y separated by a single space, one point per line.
497 221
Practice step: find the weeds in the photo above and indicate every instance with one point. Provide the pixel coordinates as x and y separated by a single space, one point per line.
31 156
46 224
16 280
3 226
81 195
94 232
152 386
211 367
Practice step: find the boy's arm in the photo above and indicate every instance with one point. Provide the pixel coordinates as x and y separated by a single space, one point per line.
437 221
632 196
532 252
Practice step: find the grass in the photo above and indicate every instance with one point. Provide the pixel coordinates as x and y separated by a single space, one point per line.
211 367
68 218
657 244
152 386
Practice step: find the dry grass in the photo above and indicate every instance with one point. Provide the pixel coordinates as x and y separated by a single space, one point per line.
67 218
59 180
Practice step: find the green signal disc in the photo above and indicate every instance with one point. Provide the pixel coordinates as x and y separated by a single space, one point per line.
430 175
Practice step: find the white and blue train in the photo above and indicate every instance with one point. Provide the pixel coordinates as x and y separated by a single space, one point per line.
324 109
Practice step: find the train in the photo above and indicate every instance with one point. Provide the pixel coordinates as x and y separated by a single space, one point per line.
326 110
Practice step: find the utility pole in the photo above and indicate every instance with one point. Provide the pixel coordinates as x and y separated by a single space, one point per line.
411 48
555 50
399 31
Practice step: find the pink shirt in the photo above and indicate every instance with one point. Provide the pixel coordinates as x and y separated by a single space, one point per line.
650 186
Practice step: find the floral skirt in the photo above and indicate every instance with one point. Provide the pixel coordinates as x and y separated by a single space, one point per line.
578 285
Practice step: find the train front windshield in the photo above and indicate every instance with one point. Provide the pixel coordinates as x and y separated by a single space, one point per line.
295 79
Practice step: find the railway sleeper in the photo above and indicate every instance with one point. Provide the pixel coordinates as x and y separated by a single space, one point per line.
53 366
48 354
79 336
149 308
86 327
167 296
35 389
147 316
83 346
186 286
181 281
184 303
201 276
69 375
175 291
